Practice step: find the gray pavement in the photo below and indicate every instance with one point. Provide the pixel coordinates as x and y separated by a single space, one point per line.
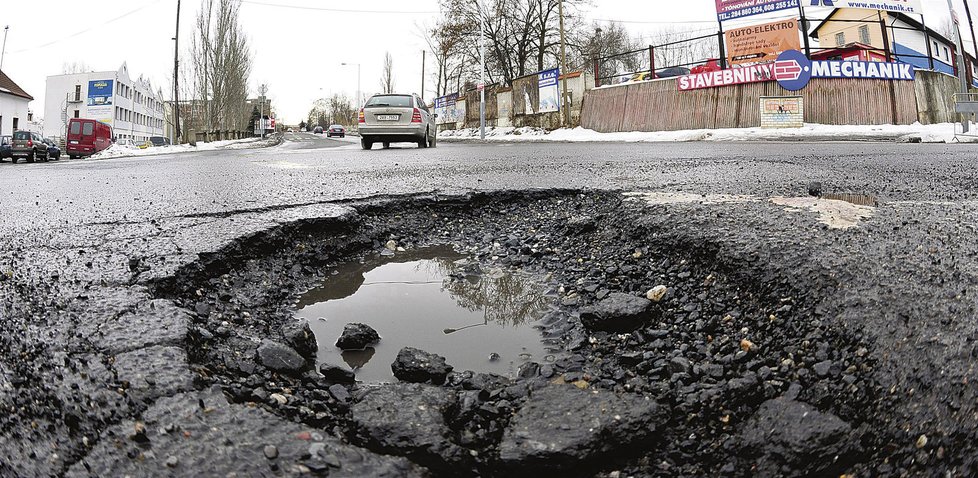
82 239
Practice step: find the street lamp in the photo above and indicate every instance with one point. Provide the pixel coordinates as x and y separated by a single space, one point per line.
358 101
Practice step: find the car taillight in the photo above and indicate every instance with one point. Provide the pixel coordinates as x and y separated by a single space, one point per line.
362 118
30 144
416 117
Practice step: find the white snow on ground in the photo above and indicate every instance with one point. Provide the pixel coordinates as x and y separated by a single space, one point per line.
936 133
115 151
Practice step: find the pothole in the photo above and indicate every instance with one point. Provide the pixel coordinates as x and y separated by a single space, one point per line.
433 299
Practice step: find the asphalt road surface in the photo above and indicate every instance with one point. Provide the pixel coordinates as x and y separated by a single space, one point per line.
82 239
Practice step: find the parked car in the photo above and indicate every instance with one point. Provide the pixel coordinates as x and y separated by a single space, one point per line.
336 130
87 137
159 141
318 130
30 146
710 66
391 118
5 151
126 144
54 151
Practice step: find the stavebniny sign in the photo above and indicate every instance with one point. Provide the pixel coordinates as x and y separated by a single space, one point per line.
733 76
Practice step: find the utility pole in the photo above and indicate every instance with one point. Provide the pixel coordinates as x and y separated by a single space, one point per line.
263 89
423 54
971 26
563 67
3 52
482 80
176 80
962 64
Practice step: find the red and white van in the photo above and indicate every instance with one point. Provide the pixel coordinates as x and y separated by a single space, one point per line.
87 137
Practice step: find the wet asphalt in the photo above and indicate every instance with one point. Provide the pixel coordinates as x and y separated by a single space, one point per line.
82 239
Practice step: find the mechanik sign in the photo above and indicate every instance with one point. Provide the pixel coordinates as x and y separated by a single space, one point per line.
793 70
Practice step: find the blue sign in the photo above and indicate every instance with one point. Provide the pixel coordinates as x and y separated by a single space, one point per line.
100 92
793 70
549 78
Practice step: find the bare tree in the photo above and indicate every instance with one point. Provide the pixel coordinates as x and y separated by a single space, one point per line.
676 46
337 109
221 66
600 41
387 76
69 68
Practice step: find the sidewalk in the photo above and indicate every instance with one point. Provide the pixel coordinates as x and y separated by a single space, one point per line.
246 143
915 133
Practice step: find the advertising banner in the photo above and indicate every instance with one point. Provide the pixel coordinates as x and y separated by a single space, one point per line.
105 114
896 6
549 91
100 92
734 76
731 9
448 109
782 112
762 43
794 70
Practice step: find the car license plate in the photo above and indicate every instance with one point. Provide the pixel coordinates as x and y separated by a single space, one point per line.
388 117
72 142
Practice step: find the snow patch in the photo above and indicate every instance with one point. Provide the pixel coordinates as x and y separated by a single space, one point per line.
935 133
116 151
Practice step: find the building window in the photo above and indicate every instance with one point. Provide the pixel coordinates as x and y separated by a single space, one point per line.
16 122
77 92
77 113
947 53
840 39
864 34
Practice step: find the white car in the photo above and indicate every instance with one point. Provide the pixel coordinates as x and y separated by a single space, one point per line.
391 118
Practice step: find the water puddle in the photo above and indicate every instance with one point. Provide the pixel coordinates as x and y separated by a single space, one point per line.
432 299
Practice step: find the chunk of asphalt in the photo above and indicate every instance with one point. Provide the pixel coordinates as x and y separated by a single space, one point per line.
618 312
788 437
562 426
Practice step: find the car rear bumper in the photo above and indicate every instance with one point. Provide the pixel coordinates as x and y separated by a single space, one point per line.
408 130
80 150
20 153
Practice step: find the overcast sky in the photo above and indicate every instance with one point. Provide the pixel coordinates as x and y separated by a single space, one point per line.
298 44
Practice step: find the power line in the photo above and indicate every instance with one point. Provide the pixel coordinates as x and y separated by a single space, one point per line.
82 32
337 10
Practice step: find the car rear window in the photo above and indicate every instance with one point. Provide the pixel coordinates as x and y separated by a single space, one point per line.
88 129
397 101
22 136
75 128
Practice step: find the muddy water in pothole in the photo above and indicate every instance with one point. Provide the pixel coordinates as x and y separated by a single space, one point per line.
432 299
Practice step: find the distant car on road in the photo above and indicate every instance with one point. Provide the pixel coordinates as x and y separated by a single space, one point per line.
158 141
336 130
391 118
318 130
30 146
5 149
54 151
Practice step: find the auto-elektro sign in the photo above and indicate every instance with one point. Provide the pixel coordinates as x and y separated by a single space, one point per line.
793 70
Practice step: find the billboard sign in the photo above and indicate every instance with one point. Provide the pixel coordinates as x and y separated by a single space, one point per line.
549 91
449 110
733 9
895 6
762 43
100 92
734 76
793 70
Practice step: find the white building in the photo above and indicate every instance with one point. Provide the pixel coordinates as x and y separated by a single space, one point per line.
14 114
130 107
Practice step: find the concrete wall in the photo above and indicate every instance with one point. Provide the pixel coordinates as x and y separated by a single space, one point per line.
659 106
935 97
